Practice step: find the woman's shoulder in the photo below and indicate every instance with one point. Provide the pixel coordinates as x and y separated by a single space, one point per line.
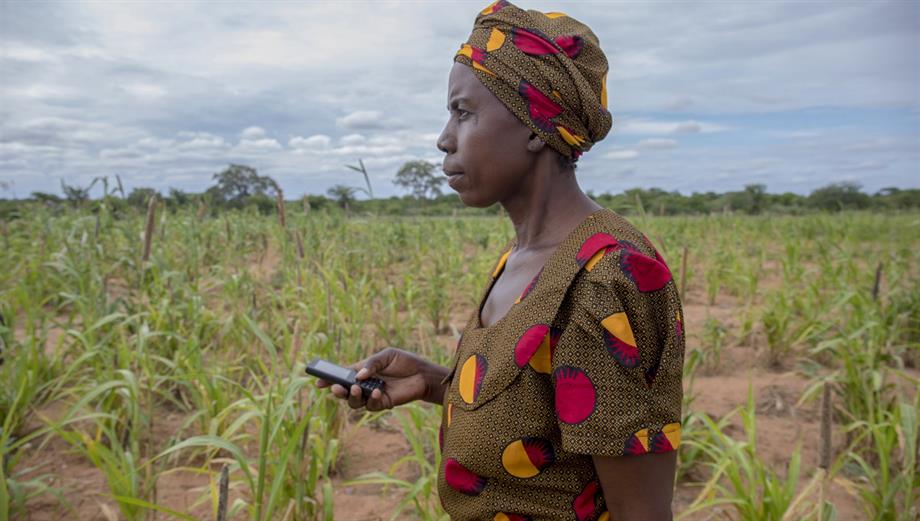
630 261
628 293
626 233
629 275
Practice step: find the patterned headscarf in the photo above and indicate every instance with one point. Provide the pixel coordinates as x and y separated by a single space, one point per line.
547 68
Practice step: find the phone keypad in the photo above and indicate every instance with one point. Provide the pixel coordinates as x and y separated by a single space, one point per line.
369 385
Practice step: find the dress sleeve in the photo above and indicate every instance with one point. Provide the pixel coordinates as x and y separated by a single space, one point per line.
618 364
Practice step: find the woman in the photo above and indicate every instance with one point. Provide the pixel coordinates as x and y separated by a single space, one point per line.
563 399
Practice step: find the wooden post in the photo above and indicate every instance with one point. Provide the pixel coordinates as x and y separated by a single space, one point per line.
279 201
878 281
683 275
148 229
223 489
826 419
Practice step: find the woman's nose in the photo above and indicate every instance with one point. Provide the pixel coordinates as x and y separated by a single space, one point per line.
445 142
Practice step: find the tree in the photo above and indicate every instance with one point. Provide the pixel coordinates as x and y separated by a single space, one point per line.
344 195
236 183
316 202
750 201
140 197
178 198
839 196
418 176
888 191
756 194
46 198
76 195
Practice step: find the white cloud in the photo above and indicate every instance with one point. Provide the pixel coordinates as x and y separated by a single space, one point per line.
154 143
253 133
41 92
689 127
657 143
258 145
19 52
145 90
67 132
119 153
797 134
362 119
9 150
862 166
352 139
201 140
368 150
639 126
315 142
623 155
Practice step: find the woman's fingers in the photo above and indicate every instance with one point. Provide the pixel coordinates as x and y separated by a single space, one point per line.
379 401
339 391
355 397
368 368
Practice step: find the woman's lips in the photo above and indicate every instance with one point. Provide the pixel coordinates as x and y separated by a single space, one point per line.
453 178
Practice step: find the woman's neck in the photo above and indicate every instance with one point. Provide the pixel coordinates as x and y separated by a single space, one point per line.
548 209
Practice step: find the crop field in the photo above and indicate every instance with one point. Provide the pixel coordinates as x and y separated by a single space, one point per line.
153 364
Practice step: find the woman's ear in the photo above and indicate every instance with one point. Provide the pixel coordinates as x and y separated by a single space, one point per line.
534 143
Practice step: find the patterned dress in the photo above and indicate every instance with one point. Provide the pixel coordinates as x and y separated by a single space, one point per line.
587 361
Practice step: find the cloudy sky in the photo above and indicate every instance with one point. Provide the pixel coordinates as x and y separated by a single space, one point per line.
705 95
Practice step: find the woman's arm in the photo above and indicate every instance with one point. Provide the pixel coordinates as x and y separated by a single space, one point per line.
434 375
638 488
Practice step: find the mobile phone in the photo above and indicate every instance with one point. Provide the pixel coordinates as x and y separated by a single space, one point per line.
342 375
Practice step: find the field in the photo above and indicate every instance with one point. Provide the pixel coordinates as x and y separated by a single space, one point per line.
153 365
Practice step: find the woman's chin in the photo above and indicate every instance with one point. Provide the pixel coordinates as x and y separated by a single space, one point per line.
471 201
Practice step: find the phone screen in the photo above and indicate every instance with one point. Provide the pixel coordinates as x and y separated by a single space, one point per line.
334 370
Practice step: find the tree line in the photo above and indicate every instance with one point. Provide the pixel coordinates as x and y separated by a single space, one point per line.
240 187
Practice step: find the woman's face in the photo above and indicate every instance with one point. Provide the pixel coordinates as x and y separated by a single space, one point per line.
486 145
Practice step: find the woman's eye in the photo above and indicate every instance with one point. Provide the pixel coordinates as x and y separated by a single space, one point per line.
461 114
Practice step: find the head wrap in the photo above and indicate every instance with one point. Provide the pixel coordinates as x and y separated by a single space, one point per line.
547 68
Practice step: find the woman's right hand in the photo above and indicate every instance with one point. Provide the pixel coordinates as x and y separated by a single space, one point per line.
407 377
